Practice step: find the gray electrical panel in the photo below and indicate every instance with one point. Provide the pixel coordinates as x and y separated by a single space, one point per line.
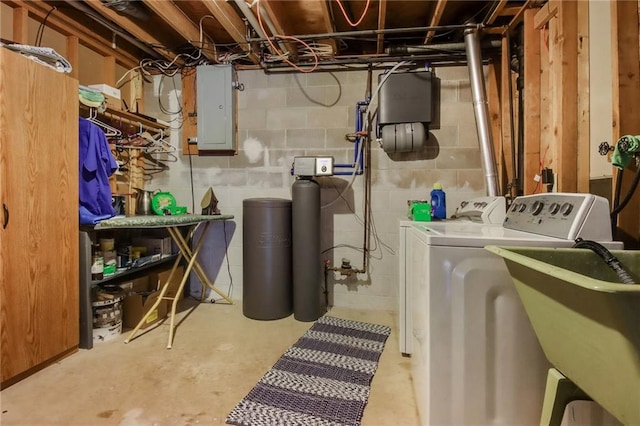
216 108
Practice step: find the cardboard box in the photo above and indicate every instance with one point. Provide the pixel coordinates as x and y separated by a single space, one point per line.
111 94
139 301
160 277
113 103
137 285
155 245
107 90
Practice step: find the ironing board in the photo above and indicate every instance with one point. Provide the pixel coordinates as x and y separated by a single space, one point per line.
172 224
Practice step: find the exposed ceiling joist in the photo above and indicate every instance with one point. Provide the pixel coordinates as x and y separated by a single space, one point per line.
435 19
279 28
545 14
519 17
496 12
142 24
382 17
328 24
168 11
131 27
68 27
511 11
232 23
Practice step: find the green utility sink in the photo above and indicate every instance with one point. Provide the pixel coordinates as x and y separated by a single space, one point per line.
587 322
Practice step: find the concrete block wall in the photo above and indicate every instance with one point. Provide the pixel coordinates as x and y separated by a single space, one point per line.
287 115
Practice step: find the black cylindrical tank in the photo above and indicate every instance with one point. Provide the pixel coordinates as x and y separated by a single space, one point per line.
307 265
267 291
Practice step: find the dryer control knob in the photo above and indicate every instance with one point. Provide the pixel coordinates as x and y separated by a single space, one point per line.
537 207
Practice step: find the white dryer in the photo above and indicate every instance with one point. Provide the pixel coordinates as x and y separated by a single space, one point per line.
475 357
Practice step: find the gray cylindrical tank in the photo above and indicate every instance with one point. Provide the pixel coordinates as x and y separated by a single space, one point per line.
267 291
307 265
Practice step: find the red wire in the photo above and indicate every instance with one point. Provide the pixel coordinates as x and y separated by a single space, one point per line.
286 37
344 12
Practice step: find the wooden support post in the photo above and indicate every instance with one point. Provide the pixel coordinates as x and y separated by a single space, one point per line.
136 180
626 111
189 107
564 95
547 151
493 100
531 103
109 71
584 106
21 25
505 113
73 55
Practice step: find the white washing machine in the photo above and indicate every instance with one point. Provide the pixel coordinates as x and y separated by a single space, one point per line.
475 357
478 211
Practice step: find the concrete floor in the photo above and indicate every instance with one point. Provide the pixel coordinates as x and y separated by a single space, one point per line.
218 355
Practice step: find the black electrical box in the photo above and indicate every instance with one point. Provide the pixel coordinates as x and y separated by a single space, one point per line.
408 97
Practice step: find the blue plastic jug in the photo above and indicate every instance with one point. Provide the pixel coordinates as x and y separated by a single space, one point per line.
438 202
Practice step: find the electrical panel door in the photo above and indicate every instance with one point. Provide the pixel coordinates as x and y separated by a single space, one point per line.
216 108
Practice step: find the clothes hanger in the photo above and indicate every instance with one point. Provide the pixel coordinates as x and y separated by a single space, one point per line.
109 131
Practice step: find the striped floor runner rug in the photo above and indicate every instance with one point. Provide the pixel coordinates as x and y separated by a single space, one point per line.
323 379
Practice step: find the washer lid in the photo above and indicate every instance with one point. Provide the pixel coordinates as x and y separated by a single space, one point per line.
466 234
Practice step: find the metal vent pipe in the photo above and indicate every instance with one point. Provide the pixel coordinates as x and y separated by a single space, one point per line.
481 110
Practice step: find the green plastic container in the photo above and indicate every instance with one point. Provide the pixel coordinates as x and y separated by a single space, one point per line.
419 211
587 322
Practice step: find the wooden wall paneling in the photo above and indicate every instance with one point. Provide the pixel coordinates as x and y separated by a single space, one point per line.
189 108
531 114
505 113
493 100
564 95
584 106
625 40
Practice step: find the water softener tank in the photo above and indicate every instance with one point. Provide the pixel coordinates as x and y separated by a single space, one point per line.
267 292
307 265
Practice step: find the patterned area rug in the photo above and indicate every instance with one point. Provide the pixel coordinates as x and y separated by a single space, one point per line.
323 379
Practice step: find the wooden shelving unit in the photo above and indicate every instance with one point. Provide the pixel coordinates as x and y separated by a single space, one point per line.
130 124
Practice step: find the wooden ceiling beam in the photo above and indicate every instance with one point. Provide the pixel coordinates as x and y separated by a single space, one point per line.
519 17
496 12
131 27
232 23
328 24
382 17
510 11
169 12
68 27
279 28
435 19
545 14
